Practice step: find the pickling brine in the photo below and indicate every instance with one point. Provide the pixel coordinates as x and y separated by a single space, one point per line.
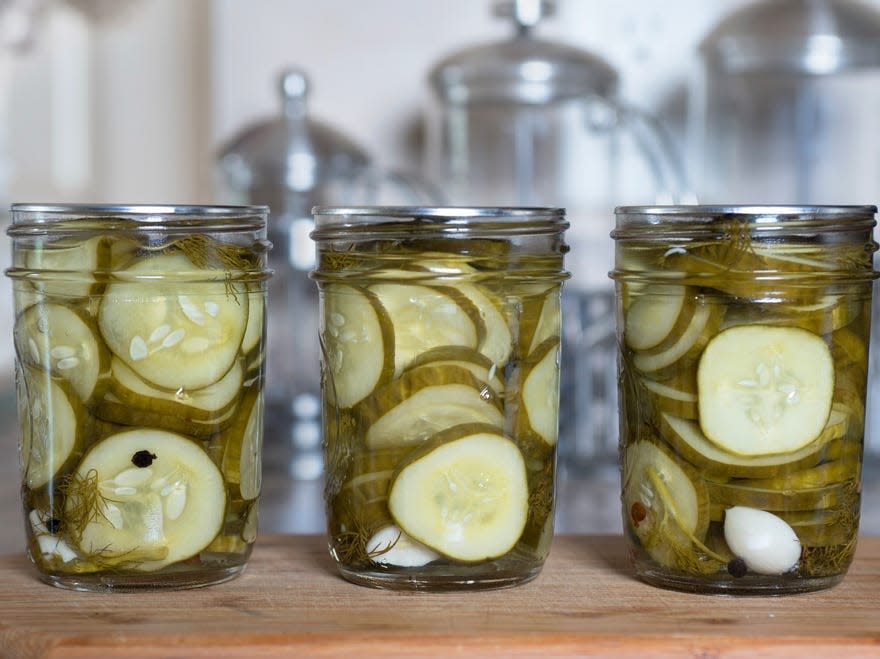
440 333
139 370
743 350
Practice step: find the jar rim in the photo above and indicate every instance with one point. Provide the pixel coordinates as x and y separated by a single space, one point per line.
139 209
699 210
448 212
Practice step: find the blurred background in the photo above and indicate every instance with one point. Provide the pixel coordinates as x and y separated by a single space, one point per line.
585 104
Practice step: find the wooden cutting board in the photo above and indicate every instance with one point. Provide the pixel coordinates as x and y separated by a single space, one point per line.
290 602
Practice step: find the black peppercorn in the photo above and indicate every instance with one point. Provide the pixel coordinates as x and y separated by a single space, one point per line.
143 459
53 525
737 568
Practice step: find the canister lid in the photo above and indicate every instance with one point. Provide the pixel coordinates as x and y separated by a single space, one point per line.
523 69
292 151
796 36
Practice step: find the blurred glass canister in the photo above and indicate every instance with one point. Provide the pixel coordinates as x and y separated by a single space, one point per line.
291 163
785 102
531 122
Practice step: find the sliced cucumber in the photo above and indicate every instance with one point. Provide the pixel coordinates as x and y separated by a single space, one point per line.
256 321
666 505
423 318
688 440
672 400
160 499
497 342
548 321
205 405
829 314
480 366
187 335
111 409
764 390
68 266
244 442
357 341
540 392
828 473
735 494
494 339
425 400
466 498
61 341
680 348
48 426
656 314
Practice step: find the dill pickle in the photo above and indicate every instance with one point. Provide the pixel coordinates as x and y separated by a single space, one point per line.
466 497
424 400
536 326
65 342
139 469
357 343
473 352
50 429
70 265
423 318
538 410
206 405
665 505
478 364
743 340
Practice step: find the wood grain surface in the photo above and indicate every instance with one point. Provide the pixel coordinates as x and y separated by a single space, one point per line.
290 602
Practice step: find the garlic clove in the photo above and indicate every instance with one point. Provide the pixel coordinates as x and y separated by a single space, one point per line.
766 543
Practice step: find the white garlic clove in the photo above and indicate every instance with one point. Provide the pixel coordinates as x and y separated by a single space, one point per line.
391 546
766 543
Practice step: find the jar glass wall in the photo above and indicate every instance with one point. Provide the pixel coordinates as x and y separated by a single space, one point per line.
139 343
743 351
440 333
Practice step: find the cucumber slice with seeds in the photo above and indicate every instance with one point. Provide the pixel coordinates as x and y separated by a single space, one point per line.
145 499
357 342
206 404
59 340
764 390
494 338
49 424
189 338
423 318
666 505
466 498
425 400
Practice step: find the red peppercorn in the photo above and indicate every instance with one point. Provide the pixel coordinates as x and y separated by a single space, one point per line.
638 513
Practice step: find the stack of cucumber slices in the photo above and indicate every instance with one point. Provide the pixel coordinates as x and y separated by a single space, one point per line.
441 388
140 403
738 394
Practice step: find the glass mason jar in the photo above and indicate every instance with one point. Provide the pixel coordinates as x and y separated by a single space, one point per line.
139 343
743 354
440 370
